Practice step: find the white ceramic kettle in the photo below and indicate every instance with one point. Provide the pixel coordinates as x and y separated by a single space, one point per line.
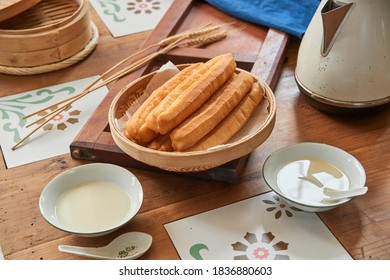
344 56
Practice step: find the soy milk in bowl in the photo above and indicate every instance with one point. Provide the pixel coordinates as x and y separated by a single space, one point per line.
91 200
92 206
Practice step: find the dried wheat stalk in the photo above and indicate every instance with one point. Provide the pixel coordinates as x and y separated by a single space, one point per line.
196 37
206 39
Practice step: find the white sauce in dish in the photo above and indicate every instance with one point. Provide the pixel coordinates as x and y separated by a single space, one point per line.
92 206
318 172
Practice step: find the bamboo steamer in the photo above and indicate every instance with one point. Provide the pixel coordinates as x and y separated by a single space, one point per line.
11 8
49 33
250 137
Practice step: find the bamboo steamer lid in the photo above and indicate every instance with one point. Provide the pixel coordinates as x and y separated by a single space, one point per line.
11 8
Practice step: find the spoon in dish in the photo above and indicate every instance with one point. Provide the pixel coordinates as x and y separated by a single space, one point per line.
128 246
336 194
313 180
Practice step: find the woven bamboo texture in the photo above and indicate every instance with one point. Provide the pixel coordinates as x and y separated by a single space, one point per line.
191 161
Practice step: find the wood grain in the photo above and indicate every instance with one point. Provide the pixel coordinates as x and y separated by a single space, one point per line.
256 49
362 226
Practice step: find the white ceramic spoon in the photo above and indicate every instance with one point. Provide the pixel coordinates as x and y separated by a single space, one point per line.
313 180
131 245
336 195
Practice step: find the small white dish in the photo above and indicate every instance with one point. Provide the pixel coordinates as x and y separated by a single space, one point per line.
323 164
91 200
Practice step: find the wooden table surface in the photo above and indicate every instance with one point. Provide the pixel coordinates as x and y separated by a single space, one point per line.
362 226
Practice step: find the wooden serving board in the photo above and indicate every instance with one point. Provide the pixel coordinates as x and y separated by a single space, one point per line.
257 49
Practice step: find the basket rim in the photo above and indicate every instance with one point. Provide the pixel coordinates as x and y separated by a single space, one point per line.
200 156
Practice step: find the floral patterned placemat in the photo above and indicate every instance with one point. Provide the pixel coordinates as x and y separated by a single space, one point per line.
258 228
125 17
54 137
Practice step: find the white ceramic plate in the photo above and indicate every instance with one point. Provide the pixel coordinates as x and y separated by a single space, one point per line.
322 164
127 189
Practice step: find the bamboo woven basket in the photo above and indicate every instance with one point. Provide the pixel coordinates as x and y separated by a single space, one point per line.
250 137
49 36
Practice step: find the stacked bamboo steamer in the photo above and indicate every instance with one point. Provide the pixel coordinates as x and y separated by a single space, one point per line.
46 35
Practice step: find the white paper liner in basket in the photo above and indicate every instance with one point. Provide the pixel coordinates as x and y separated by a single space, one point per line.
166 72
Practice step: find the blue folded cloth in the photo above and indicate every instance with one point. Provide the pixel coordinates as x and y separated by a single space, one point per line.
290 16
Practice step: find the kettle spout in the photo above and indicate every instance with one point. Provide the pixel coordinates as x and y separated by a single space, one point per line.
334 15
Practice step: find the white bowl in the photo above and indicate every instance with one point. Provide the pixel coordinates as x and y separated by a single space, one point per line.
91 200
326 166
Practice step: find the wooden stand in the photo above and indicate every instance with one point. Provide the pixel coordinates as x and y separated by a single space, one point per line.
257 49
